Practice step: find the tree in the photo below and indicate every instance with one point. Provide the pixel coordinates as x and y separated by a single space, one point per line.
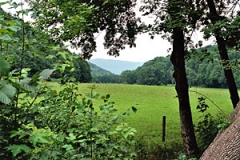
38 57
173 18
178 61
78 21
128 77
82 71
215 19
153 74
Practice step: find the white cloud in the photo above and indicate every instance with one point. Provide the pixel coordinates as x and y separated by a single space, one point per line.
145 50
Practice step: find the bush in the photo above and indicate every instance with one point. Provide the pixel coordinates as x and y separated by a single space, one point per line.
39 122
150 150
208 127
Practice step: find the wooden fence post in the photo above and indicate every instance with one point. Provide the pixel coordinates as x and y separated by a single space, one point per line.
163 128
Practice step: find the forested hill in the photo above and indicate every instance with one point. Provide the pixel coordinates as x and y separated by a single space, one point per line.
115 66
203 69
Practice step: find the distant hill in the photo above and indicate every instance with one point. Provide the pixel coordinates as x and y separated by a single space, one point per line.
115 66
98 71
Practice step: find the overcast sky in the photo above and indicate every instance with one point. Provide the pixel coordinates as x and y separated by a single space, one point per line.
145 50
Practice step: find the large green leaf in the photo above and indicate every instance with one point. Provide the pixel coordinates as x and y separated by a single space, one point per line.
9 90
5 37
26 87
40 136
4 98
16 149
13 28
22 87
46 73
6 93
4 66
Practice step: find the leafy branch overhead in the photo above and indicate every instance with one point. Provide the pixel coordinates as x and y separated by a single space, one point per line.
79 22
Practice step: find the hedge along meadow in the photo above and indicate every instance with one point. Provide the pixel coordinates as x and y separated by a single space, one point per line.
42 122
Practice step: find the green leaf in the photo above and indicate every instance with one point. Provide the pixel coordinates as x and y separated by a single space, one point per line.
14 5
134 109
46 73
63 54
2 3
50 56
16 149
5 37
20 87
26 87
68 147
4 98
4 67
13 28
40 136
6 92
9 90
71 137
3 30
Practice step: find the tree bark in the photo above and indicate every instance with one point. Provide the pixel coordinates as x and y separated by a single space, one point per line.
226 145
177 59
214 17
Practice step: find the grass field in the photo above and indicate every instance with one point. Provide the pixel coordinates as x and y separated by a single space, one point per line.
153 102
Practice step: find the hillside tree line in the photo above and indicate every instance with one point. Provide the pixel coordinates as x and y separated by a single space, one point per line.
203 66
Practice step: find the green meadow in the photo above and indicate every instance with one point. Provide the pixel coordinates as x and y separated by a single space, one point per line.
154 102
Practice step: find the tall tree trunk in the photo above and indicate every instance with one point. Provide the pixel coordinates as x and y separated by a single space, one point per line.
177 59
214 17
226 144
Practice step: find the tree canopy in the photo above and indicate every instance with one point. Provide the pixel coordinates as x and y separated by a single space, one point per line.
38 57
79 22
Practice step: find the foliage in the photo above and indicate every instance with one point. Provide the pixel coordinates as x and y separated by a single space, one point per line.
147 148
183 156
81 131
209 126
100 75
129 77
203 66
38 122
116 18
202 106
97 71
73 129
154 72
109 78
41 57
35 56
82 71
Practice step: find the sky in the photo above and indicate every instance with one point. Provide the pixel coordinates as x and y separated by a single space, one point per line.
145 50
